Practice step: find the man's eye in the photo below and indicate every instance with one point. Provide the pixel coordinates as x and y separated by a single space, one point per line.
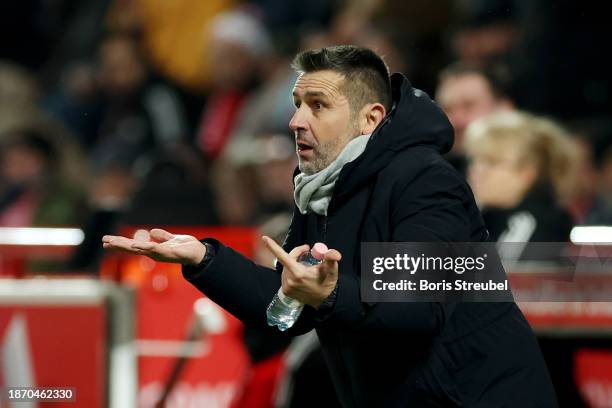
318 105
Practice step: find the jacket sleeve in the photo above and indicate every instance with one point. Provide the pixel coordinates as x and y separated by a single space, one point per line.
242 287
429 209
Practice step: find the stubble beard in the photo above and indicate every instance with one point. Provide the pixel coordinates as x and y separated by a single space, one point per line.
325 154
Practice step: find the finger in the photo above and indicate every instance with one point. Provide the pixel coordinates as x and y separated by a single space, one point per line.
278 252
119 242
330 261
160 235
332 255
297 251
141 235
146 246
109 238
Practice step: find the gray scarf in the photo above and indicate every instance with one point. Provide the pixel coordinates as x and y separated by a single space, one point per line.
313 192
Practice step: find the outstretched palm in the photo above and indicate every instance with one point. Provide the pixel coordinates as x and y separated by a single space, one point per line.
159 245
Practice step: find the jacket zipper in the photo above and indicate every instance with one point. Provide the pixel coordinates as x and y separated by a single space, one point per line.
324 229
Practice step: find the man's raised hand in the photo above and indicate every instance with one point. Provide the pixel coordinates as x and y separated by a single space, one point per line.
310 285
159 245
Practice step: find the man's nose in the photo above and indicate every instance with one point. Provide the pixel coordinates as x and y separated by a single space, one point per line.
297 121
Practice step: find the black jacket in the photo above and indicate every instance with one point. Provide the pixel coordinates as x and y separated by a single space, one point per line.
397 354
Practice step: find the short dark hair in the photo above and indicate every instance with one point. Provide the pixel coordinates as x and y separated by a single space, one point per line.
496 75
366 76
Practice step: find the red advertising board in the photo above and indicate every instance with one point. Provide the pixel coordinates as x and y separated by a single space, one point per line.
213 366
46 345
593 376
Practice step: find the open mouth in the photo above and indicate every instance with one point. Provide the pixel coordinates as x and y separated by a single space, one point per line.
302 147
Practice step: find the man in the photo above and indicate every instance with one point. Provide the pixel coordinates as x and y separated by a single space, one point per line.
371 170
466 93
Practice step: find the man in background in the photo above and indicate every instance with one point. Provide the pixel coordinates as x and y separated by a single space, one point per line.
466 93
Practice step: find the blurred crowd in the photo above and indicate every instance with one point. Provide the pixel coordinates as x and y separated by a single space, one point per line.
149 112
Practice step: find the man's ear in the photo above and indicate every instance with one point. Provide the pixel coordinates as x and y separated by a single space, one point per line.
371 116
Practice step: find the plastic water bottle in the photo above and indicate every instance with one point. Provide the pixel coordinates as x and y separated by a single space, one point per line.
284 311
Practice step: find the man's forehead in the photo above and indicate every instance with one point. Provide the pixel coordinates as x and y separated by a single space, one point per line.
325 82
455 90
466 83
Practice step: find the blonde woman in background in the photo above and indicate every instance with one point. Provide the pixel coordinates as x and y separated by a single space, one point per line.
521 167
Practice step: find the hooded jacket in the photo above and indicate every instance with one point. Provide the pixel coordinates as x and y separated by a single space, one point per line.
396 354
